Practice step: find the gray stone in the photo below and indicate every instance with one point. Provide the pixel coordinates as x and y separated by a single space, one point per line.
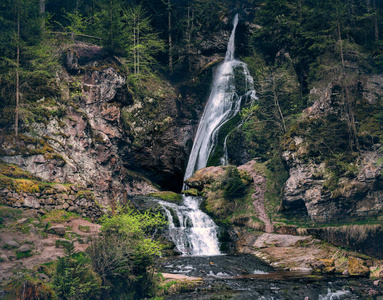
62 196
12 243
65 205
60 188
25 248
4 257
30 201
72 208
22 221
57 229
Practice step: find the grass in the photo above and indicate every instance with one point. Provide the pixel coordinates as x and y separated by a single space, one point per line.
8 247
59 216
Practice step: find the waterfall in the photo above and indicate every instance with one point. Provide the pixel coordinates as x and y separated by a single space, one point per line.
191 230
232 85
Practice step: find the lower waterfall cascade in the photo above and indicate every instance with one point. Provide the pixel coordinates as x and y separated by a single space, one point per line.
192 231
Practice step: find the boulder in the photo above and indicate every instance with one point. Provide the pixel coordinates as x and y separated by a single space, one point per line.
58 230
11 244
376 272
205 176
356 267
60 188
25 248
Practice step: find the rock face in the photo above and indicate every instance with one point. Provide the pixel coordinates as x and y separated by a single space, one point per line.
365 239
337 184
72 198
102 136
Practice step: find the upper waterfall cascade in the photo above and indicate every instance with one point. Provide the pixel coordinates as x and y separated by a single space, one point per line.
232 85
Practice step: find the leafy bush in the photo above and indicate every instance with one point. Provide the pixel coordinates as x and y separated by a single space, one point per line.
124 251
74 278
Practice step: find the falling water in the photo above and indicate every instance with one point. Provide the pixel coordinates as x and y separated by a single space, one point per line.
224 103
192 231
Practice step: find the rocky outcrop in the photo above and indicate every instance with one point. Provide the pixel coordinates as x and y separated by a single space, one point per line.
333 153
70 198
99 134
366 239
306 187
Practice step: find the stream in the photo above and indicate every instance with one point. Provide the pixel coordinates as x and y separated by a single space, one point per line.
245 276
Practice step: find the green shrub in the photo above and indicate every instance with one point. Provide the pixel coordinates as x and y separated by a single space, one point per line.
123 253
75 279
232 184
20 255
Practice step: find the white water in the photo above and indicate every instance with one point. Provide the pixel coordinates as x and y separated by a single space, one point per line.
334 295
223 104
191 230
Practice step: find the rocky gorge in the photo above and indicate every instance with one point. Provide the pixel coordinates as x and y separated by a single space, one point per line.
101 139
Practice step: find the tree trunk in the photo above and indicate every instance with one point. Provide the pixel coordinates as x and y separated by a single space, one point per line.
189 38
17 72
376 26
42 14
134 46
170 37
276 103
138 45
111 24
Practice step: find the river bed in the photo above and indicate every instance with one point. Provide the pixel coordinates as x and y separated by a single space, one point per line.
247 277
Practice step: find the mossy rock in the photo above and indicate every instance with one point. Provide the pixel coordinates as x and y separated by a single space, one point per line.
191 192
356 267
168 196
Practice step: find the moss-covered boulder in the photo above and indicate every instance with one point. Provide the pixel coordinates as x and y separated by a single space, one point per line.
168 196
356 267
191 192
376 272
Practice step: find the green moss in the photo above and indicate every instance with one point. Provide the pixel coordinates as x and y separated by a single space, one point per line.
168 196
8 247
84 228
218 152
59 216
14 171
20 255
86 194
191 192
